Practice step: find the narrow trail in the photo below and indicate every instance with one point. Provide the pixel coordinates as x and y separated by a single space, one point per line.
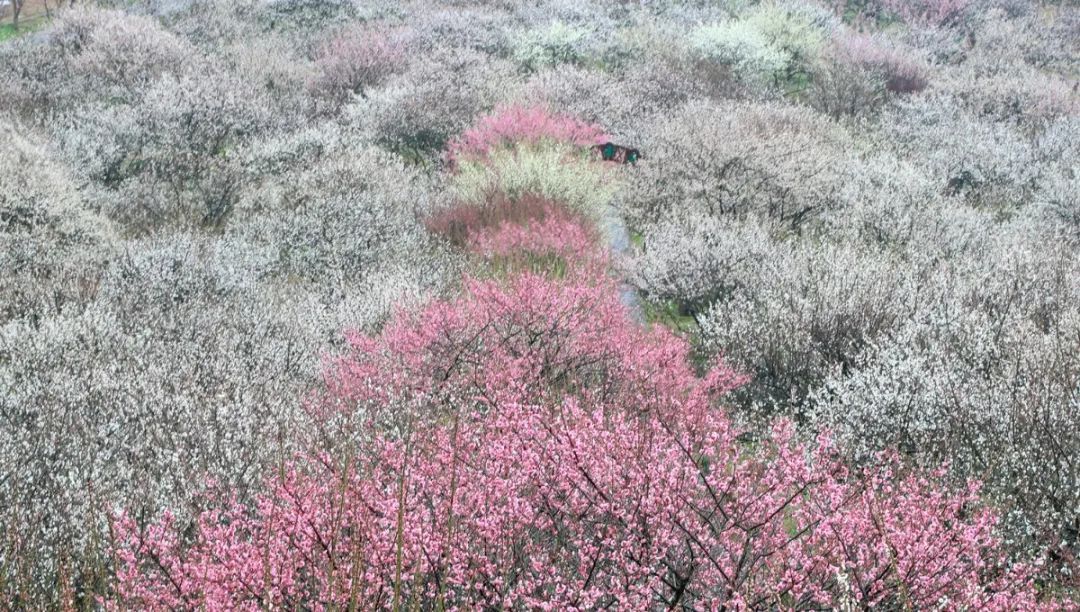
618 237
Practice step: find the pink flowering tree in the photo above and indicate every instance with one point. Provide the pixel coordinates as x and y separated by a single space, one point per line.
527 445
355 60
525 233
514 125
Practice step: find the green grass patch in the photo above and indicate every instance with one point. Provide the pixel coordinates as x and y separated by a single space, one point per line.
548 170
669 314
505 267
8 31
26 26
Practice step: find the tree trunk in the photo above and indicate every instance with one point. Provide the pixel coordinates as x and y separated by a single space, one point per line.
16 8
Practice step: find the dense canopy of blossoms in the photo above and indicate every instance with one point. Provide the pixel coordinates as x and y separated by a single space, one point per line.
527 444
516 125
866 207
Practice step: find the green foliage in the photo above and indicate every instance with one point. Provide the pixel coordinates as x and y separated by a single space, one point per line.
536 170
797 31
558 43
670 314
740 45
9 31
771 44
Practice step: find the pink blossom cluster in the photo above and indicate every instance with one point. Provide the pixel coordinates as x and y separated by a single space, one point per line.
523 230
527 445
511 125
356 59
555 236
460 222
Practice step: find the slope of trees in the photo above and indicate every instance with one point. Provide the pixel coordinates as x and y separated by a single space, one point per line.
308 303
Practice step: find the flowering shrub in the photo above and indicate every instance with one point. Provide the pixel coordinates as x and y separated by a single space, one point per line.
901 73
420 110
558 43
840 89
692 260
514 125
52 247
933 12
1059 151
354 60
124 51
992 390
556 172
346 215
168 160
86 55
773 161
797 29
858 74
769 45
1030 101
1028 40
277 67
790 333
740 45
505 429
986 163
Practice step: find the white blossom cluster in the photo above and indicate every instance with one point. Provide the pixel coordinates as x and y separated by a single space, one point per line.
902 271
775 161
180 244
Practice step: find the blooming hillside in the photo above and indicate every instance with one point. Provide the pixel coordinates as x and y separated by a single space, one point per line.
528 445
337 304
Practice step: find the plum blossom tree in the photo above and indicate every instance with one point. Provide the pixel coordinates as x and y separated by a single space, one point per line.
517 125
485 449
355 60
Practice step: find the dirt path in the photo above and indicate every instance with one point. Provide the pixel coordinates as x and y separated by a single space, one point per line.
618 237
